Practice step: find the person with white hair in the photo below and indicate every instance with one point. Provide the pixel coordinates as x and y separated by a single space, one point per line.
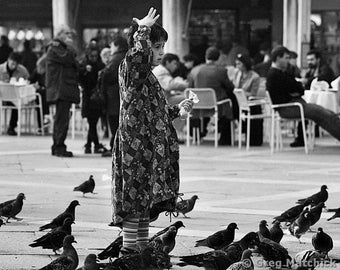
61 85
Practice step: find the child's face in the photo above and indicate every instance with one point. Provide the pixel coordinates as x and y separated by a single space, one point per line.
157 52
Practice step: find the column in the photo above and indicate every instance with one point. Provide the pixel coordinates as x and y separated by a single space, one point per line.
174 17
296 25
60 14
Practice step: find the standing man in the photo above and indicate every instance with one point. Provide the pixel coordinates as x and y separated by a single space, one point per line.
62 86
317 70
8 70
216 77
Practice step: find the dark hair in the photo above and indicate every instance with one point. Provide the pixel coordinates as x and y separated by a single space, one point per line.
169 57
15 57
120 42
4 39
245 60
212 53
278 51
315 52
190 57
293 54
27 45
157 33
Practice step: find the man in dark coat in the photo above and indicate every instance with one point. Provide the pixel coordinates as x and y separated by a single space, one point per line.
110 86
62 86
322 72
216 77
5 49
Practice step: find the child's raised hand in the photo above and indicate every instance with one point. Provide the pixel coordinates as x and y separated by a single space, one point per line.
149 19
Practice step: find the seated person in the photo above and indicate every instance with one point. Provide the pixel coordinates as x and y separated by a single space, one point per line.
216 77
173 86
317 70
249 81
183 70
283 88
8 70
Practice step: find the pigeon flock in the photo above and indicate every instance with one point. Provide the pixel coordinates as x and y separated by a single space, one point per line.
226 252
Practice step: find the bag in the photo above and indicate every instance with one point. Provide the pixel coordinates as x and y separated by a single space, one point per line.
97 98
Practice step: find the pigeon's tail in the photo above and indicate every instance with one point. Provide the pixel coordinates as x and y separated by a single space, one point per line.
301 201
332 210
36 244
201 243
332 217
45 227
103 255
278 218
191 260
76 189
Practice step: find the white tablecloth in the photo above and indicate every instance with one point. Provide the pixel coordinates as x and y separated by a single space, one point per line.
327 99
11 92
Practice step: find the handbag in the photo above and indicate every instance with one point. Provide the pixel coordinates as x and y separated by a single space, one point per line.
97 98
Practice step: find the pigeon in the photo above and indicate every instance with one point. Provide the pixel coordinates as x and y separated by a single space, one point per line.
169 239
316 198
245 264
273 253
276 232
236 249
58 221
11 208
219 239
86 187
336 214
69 258
263 229
322 242
315 213
177 224
90 263
307 260
291 214
112 251
54 239
301 225
185 206
216 259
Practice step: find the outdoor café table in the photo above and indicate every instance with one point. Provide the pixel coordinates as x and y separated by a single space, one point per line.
325 98
16 92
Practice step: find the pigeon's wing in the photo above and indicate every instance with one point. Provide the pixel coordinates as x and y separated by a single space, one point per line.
6 210
61 263
6 203
112 250
159 233
83 187
182 205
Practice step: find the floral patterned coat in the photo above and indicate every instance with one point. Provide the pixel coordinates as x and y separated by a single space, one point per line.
145 170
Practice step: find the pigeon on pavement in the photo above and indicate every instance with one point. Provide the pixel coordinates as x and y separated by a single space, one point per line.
90 263
86 187
315 213
59 220
219 239
245 264
273 253
185 206
276 232
216 259
322 242
69 258
307 259
177 224
291 214
336 214
54 239
169 239
112 250
316 198
301 225
11 208
263 229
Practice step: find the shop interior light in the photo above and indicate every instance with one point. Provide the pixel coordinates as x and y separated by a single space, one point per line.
21 35
39 35
29 34
11 34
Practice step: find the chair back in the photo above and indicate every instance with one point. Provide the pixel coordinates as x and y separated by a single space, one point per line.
268 98
206 96
262 87
241 98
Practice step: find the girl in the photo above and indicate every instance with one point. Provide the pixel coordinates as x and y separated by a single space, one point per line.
145 170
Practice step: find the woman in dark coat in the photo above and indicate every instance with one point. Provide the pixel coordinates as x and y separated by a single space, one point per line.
91 110
110 86
145 169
